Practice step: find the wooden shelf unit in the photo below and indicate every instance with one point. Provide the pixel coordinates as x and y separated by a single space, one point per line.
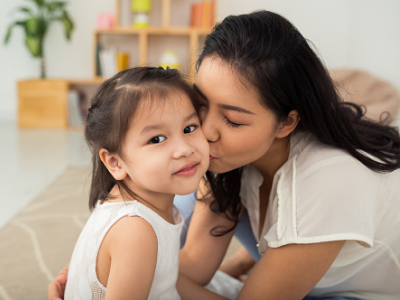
166 30
44 103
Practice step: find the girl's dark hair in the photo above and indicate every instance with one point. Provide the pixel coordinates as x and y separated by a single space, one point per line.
111 112
266 50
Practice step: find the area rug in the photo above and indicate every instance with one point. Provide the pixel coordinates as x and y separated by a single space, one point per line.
39 241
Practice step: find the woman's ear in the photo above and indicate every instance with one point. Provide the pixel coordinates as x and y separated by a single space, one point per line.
287 126
113 164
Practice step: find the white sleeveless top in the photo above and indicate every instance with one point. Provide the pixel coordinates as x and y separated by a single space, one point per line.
82 278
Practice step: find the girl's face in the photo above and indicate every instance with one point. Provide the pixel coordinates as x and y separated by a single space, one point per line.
239 129
165 151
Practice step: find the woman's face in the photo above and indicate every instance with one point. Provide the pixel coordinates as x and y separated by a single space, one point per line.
239 129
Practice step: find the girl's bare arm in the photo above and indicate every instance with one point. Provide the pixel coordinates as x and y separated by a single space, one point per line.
132 245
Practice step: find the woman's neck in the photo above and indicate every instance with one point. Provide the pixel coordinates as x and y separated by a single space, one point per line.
276 156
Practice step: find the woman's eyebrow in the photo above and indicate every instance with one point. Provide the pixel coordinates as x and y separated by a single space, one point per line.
235 108
225 106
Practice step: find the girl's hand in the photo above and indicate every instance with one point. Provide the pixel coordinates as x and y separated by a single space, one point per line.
56 288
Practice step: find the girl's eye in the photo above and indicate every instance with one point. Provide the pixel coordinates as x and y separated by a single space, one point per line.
231 124
157 139
189 129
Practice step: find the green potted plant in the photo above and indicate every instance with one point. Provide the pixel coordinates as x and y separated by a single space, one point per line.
36 22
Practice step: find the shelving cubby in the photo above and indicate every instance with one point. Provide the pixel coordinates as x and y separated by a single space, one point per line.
169 29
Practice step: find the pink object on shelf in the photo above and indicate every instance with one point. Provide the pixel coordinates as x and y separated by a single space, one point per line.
105 21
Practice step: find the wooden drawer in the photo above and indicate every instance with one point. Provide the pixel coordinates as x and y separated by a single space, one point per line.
43 104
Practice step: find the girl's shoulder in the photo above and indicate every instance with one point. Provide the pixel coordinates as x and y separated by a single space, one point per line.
126 225
133 230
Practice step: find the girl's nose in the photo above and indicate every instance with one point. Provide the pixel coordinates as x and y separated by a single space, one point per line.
183 149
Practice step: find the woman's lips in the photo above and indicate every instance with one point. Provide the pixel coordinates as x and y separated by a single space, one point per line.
188 169
211 158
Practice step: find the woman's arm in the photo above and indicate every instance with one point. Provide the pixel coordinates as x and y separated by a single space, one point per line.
203 253
132 245
291 271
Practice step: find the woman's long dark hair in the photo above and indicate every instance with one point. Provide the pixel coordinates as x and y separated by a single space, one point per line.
111 113
266 50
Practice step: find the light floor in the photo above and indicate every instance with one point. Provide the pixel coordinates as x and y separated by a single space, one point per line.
30 160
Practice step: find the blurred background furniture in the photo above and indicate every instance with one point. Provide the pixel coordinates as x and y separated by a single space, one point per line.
363 88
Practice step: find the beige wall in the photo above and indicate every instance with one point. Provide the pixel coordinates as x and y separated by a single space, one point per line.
348 33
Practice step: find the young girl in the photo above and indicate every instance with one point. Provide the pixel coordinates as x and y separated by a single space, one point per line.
147 145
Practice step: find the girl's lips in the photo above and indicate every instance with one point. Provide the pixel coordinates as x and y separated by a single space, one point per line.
187 170
211 158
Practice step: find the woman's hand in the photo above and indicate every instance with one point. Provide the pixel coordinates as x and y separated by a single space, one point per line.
187 289
56 288
238 265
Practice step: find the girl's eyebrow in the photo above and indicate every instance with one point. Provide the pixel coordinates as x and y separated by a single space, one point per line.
225 106
151 128
161 125
193 115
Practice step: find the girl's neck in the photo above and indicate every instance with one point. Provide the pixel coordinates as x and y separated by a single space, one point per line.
276 156
161 204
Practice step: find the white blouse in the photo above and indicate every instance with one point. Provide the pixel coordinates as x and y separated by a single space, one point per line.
324 194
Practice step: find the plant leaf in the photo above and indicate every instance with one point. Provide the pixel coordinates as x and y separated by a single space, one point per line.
34 45
68 27
39 3
32 26
9 30
8 34
35 27
55 5
25 10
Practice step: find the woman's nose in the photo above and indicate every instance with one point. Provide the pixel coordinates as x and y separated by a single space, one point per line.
209 128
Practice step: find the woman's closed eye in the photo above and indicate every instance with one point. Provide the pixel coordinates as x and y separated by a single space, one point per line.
232 124
157 139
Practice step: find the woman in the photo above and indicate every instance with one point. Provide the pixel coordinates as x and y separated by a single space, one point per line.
318 183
